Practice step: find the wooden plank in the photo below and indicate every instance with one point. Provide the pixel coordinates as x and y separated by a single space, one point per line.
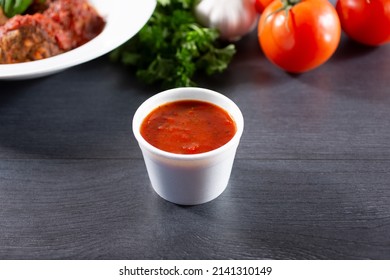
278 209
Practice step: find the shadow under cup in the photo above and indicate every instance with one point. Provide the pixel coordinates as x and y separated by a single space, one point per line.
189 179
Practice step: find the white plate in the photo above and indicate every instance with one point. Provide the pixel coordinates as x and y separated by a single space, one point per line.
124 18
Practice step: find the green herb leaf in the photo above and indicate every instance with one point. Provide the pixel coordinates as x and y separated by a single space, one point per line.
172 47
14 7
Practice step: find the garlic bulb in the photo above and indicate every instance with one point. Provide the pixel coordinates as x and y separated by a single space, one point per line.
232 18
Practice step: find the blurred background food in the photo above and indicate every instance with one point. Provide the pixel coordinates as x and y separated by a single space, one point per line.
46 28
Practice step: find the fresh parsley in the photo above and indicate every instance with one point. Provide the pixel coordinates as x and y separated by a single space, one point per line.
172 47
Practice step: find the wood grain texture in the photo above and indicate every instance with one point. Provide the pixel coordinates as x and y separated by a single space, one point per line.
272 209
311 179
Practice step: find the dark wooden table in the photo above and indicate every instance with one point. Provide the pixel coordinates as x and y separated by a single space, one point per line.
311 178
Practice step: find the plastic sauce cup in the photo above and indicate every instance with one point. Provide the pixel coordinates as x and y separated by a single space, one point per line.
189 179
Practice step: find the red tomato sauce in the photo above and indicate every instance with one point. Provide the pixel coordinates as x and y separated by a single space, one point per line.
188 127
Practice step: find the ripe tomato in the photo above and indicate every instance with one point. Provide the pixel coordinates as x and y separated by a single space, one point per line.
300 37
261 5
365 21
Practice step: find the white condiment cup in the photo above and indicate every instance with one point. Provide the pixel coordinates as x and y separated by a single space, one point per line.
189 179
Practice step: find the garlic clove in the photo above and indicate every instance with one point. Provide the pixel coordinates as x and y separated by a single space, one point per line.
232 18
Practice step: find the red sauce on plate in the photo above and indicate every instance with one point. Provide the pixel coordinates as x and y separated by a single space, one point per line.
188 127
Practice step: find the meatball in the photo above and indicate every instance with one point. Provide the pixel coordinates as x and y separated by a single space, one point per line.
58 27
28 38
78 18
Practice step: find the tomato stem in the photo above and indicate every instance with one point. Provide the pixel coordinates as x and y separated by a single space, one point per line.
290 2
287 6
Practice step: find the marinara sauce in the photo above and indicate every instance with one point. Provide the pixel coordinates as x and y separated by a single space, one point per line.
188 127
